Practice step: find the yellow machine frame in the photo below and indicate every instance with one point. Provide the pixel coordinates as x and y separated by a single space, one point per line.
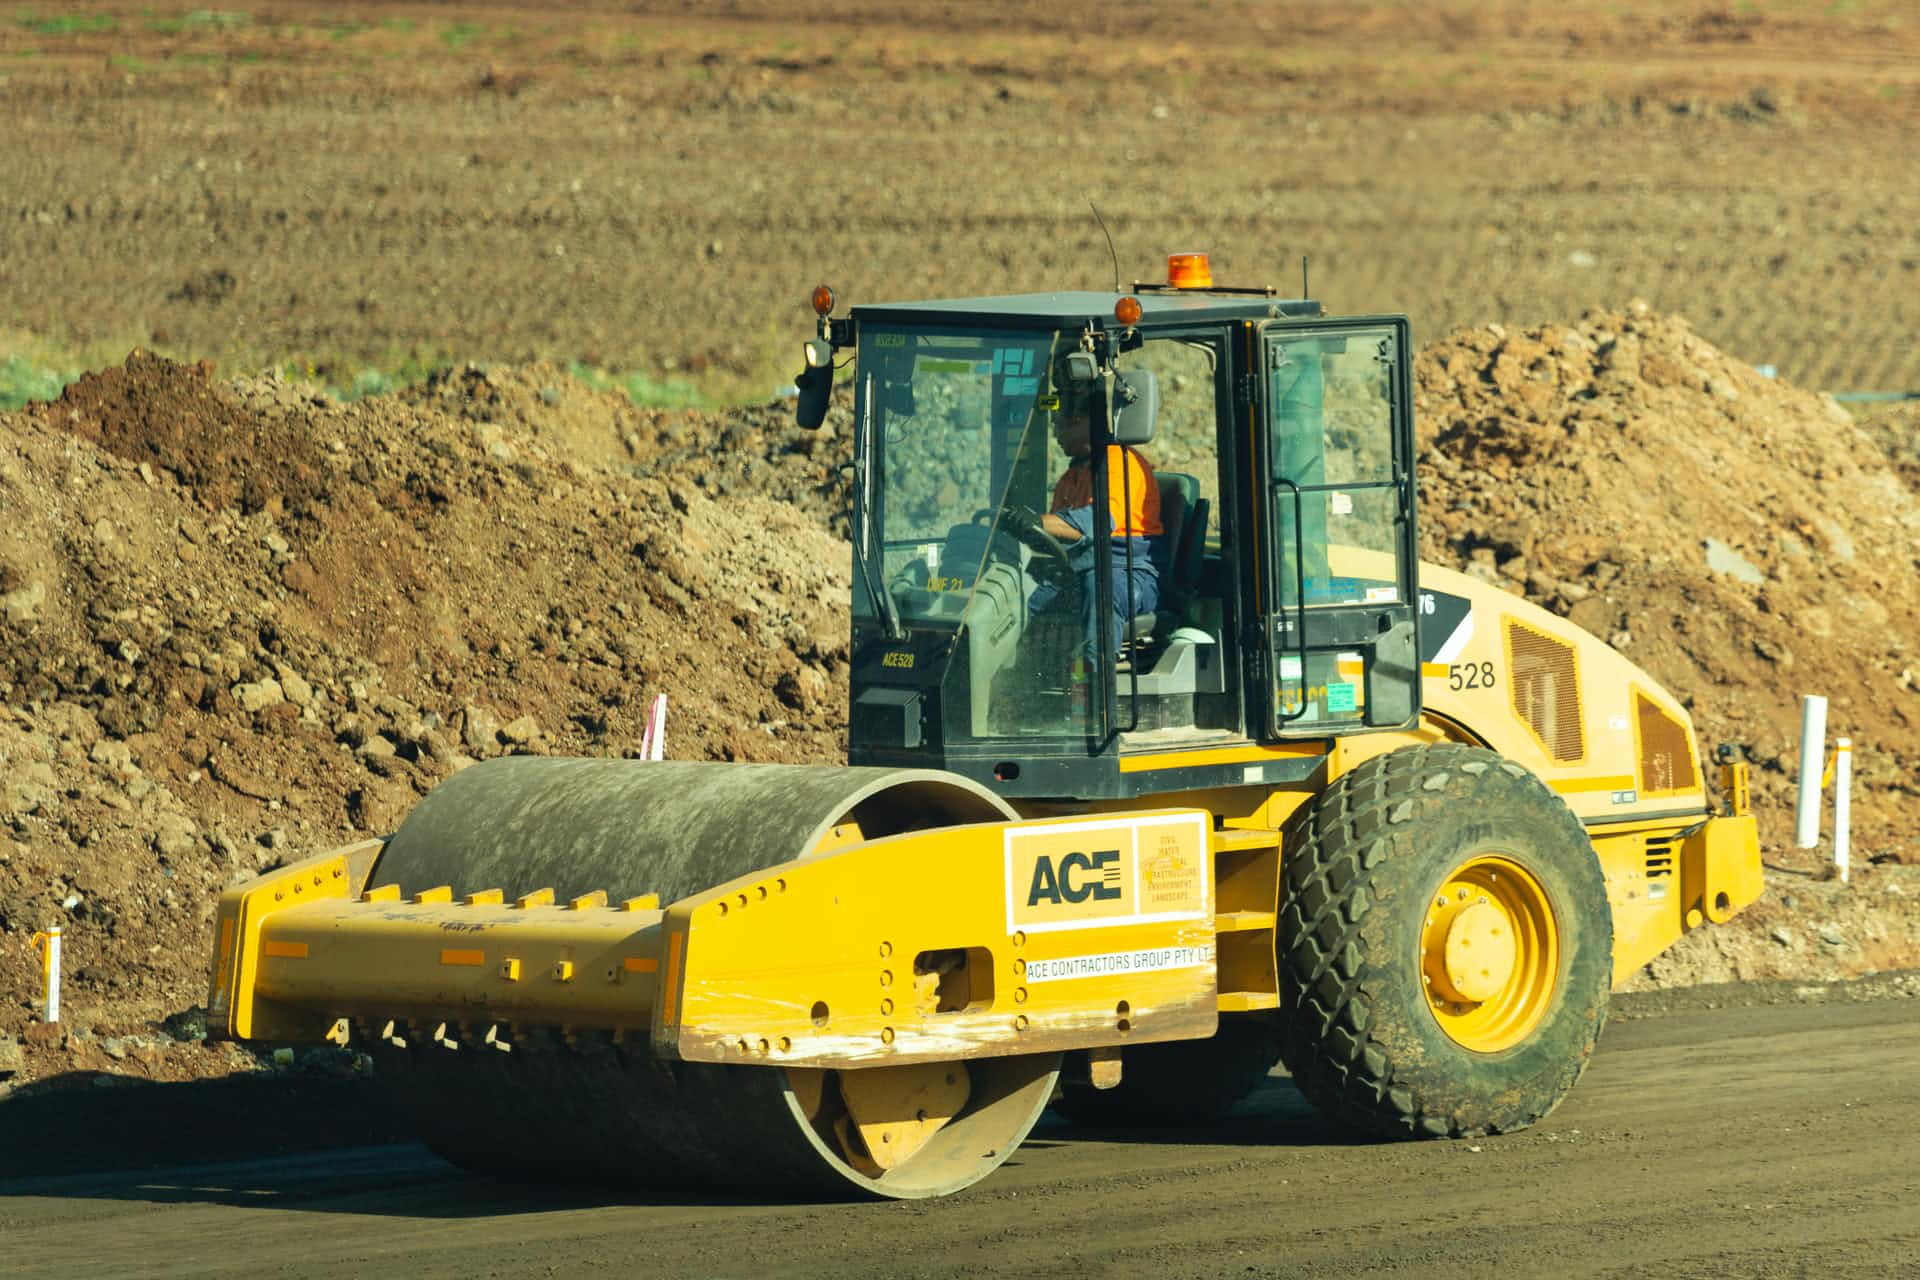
1086 930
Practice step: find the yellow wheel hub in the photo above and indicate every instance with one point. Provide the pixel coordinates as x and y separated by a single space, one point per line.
1489 954
1480 953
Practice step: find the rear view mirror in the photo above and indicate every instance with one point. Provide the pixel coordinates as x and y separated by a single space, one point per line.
1136 396
816 392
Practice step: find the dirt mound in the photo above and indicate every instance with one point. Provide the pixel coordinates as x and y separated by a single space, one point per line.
1744 541
752 449
240 623
153 411
1896 429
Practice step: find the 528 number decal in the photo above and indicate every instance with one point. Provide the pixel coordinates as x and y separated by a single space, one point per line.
1470 675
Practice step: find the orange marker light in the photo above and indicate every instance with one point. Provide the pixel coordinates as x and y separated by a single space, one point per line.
1127 311
1189 271
822 299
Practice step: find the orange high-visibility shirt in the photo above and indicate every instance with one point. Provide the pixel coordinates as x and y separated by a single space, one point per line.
1133 497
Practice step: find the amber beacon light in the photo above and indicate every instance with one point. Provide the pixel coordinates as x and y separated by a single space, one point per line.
1189 271
822 299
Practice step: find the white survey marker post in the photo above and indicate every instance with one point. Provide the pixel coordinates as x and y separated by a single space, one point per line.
653 739
1842 806
1813 749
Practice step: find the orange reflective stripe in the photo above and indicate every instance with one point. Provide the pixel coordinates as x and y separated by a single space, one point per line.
1133 495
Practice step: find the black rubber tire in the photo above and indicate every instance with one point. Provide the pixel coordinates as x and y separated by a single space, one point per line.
1363 861
1181 1081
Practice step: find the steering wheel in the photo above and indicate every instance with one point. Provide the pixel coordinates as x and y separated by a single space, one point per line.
1050 559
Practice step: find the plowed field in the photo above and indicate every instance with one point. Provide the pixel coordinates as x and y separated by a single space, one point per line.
658 189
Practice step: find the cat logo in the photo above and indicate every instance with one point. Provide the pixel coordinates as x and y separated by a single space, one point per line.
1075 878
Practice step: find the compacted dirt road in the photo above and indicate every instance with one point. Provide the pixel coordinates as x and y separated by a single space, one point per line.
1731 1131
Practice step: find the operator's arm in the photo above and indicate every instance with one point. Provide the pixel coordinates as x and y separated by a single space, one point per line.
1057 524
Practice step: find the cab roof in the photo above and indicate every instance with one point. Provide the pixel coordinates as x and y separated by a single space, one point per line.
1056 310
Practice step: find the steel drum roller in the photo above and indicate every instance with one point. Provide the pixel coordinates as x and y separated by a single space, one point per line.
591 1107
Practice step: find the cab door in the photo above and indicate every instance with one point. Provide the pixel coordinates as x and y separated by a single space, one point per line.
1336 580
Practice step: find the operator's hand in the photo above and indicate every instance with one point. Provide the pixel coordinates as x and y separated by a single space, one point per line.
1023 523
1039 531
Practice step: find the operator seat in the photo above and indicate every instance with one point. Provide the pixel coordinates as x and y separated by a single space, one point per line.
1181 669
1177 552
1183 512
1186 537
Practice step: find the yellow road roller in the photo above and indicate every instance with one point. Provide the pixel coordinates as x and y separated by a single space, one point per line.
1144 796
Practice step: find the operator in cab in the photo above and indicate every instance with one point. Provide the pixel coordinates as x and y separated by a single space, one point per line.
1133 504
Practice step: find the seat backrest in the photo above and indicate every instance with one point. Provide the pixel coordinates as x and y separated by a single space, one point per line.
1177 493
1183 576
1183 518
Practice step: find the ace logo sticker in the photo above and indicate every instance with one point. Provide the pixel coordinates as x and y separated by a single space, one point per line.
1085 874
1064 885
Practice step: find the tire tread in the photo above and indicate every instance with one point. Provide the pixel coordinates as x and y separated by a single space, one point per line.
1336 851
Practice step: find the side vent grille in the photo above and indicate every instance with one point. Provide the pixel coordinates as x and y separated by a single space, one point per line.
1546 691
1666 750
1659 858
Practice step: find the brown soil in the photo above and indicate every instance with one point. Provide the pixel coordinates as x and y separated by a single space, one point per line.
1745 542
240 622
244 623
1896 429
